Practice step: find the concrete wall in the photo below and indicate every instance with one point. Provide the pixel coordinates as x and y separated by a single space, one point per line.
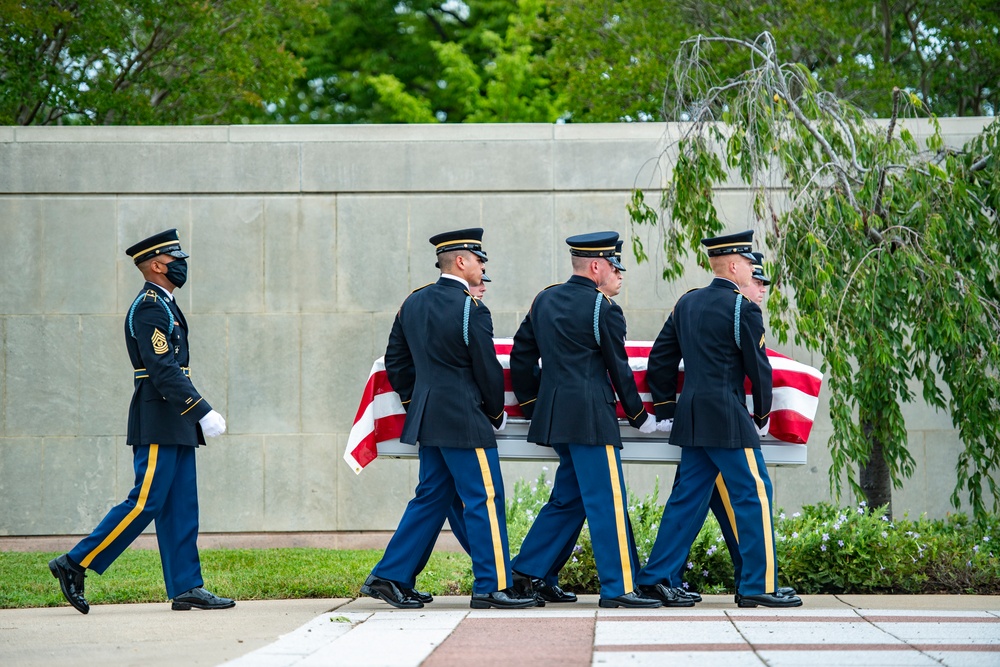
304 240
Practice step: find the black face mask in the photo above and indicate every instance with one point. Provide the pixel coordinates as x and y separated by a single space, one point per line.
177 272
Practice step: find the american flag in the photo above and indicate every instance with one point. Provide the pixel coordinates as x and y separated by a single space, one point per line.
380 415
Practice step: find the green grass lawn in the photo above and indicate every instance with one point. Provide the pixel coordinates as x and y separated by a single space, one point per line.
242 574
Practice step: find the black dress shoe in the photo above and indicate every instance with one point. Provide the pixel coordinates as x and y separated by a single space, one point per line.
524 587
768 600
419 596
505 599
199 598
552 593
694 596
389 591
631 600
784 592
669 597
70 582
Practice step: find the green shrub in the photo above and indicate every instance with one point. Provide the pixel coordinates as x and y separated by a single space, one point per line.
823 549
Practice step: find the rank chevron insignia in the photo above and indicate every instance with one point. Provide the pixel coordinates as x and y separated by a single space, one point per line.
159 342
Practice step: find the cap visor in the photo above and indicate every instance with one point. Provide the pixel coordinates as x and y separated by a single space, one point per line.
615 263
486 278
179 254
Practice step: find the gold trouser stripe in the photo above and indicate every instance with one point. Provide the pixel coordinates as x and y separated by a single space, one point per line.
147 481
491 509
720 484
770 585
616 494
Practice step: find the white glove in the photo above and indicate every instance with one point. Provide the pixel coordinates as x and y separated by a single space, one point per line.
762 430
212 424
503 423
665 425
649 425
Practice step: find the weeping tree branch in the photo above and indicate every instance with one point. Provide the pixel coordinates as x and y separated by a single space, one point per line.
856 288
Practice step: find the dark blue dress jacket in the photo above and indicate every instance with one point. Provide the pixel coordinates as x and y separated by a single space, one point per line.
165 406
452 391
711 410
579 334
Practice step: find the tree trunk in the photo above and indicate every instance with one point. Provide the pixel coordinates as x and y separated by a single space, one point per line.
875 480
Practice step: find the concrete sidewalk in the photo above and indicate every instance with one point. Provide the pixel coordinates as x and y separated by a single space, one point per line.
856 630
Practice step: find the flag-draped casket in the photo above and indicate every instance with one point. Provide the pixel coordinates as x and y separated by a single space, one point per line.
379 419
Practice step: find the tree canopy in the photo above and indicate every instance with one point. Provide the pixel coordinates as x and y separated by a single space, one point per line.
107 62
884 250
404 61
613 58
421 61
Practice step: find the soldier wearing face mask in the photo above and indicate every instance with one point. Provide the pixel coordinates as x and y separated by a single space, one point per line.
168 419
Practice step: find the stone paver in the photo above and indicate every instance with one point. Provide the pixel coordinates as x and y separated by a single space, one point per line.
859 631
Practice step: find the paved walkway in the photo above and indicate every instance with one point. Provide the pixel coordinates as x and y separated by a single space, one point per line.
855 630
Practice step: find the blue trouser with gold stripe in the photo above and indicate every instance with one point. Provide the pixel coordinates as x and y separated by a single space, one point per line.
722 507
748 487
474 474
588 485
456 520
165 491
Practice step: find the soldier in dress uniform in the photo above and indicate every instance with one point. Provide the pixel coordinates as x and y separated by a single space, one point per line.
720 336
442 363
457 508
578 332
167 420
757 289
719 503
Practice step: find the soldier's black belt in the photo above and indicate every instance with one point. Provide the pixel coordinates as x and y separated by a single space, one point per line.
141 373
